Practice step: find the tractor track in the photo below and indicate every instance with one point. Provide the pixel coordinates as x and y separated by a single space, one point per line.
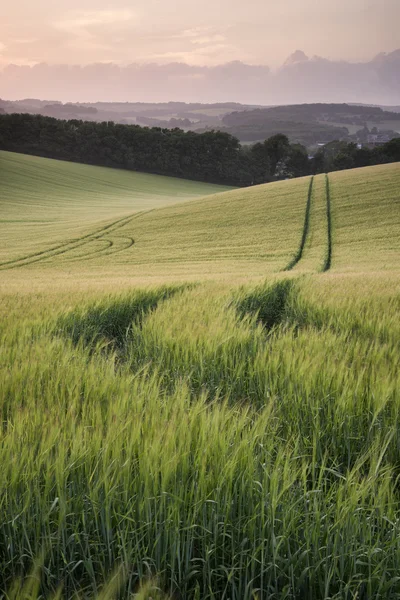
306 226
109 244
327 260
73 244
107 251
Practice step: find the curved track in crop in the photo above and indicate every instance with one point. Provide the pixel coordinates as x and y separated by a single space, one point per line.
101 235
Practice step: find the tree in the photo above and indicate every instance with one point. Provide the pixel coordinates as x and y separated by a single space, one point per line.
346 158
298 163
213 156
324 158
277 148
391 150
260 163
362 134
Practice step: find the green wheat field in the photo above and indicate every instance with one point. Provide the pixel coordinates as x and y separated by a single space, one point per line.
199 386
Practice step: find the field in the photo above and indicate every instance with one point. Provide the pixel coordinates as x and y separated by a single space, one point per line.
200 399
44 200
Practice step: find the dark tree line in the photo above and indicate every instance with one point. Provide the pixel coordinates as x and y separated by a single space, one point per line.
213 156
337 156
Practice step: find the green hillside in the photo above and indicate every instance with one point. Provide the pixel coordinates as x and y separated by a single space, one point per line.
366 217
79 221
44 200
199 400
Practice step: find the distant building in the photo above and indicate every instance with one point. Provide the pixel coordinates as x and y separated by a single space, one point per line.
377 139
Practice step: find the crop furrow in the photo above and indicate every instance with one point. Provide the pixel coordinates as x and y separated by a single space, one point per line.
92 253
328 258
88 237
72 245
110 250
306 226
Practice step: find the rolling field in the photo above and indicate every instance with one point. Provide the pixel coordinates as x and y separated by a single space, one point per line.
366 216
217 237
45 200
199 400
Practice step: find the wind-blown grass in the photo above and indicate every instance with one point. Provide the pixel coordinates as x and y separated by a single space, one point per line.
221 456
366 219
207 441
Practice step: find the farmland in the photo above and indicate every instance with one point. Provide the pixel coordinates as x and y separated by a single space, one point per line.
43 200
200 399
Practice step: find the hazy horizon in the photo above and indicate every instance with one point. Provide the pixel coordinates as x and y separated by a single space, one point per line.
312 56
300 80
156 51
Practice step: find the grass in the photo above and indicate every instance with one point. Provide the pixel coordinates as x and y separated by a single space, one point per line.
304 235
316 243
210 433
366 218
45 200
219 237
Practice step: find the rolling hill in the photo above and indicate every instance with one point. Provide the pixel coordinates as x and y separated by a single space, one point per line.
110 223
45 200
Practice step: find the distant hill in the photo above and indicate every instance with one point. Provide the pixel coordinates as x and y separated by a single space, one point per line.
309 123
187 116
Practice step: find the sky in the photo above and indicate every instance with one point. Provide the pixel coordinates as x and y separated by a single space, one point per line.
206 32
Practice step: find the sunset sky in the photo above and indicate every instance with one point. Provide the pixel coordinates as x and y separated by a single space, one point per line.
199 33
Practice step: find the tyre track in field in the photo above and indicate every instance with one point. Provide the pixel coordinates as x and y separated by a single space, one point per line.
107 252
306 226
327 262
109 244
72 244
104 251
328 258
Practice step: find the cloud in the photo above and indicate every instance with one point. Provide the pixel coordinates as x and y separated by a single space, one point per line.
86 27
196 46
80 22
211 39
212 54
200 36
25 40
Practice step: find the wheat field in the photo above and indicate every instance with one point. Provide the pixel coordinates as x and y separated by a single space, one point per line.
210 411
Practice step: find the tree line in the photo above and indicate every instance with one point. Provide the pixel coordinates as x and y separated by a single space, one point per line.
212 156
337 156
